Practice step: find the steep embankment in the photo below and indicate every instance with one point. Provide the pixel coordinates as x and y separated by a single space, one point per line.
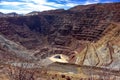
15 51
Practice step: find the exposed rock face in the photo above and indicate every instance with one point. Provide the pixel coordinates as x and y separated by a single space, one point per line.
105 51
88 35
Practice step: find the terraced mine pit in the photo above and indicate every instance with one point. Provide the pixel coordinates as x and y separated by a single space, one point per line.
82 43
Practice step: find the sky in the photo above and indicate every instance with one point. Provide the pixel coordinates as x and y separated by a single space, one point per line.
26 6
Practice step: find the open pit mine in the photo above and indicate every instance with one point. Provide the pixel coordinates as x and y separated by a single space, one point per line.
81 43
